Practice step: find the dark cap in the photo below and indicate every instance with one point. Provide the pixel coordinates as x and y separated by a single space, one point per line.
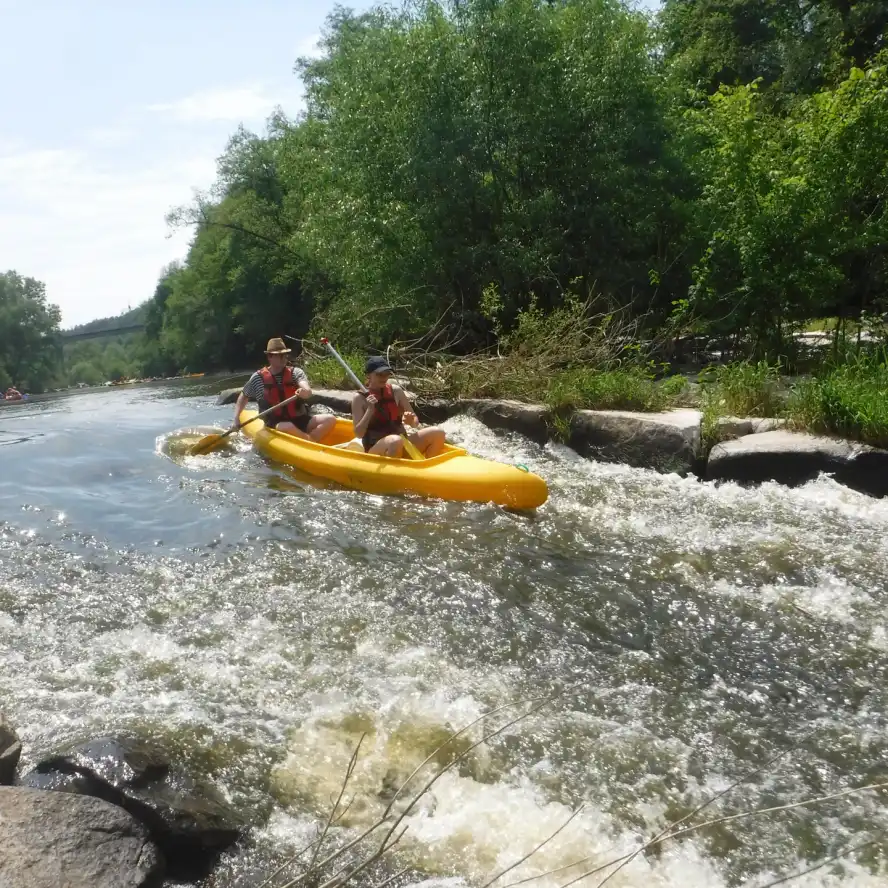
378 364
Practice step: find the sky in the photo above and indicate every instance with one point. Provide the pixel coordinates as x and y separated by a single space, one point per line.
112 112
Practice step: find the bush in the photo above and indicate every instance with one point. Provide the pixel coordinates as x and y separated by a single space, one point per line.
850 401
328 372
743 389
630 389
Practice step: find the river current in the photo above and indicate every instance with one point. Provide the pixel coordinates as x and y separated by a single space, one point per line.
258 624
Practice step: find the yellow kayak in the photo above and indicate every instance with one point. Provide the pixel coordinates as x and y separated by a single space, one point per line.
452 475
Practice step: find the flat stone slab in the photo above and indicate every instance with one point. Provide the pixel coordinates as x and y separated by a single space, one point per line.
793 458
530 420
730 427
53 839
668 441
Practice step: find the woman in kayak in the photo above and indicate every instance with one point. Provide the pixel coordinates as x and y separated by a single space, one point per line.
379 416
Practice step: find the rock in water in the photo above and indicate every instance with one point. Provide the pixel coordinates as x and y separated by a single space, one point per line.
189 819
10 751
668 441
50 839
530 420
792 458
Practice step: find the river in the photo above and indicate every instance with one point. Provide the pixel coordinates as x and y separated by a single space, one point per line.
257 625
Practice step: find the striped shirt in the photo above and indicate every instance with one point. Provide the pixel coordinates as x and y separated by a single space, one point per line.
255 387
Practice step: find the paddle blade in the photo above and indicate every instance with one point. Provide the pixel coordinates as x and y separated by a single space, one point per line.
207 444
412 450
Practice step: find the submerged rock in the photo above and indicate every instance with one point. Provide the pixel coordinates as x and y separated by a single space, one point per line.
10 751
793 458
50 839
189 819
668 441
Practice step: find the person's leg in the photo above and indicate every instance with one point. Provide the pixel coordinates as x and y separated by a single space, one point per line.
288 428
320 426
429 441
390 445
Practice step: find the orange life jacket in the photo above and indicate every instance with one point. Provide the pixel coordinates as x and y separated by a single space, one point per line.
275 392
386 417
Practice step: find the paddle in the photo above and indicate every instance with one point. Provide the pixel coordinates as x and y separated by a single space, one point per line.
211 442
412 450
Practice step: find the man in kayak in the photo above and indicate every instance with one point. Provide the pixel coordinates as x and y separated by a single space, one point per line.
276 383
379 416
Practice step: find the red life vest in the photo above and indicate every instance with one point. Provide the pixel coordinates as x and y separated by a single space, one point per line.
275 392
387 414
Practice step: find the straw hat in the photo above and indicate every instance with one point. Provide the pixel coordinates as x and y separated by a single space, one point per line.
276 347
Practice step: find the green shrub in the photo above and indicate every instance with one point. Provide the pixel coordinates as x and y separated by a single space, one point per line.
850 401
328 372
631 389
742 389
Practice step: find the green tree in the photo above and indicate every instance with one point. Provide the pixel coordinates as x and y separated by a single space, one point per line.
30 350
799 47
792 221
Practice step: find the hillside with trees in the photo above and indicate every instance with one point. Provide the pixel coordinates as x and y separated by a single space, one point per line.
467 173
720 170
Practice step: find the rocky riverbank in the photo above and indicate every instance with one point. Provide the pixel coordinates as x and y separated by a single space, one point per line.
750 450
115 812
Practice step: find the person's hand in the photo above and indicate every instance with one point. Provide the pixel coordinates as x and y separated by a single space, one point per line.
372 399
304 393
409 418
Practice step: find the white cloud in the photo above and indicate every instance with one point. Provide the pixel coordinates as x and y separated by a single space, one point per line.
308 48
95 236
88 219
249 103
112 136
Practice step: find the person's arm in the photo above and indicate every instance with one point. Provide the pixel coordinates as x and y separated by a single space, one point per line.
408 417
362 413
243 398
239 405
302 383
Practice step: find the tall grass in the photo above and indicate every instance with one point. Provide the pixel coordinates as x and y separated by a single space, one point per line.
743 388
849 400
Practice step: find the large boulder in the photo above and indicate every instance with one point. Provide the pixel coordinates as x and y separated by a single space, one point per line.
10 751
228 396
435 410
668 441
49 840
530 420
337 401
792 458
189 819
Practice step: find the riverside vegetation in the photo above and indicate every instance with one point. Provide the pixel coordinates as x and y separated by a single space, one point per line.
571 203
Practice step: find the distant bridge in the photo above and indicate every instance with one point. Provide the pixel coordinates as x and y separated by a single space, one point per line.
70 336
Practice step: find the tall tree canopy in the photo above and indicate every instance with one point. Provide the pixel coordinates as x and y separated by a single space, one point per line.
29 335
